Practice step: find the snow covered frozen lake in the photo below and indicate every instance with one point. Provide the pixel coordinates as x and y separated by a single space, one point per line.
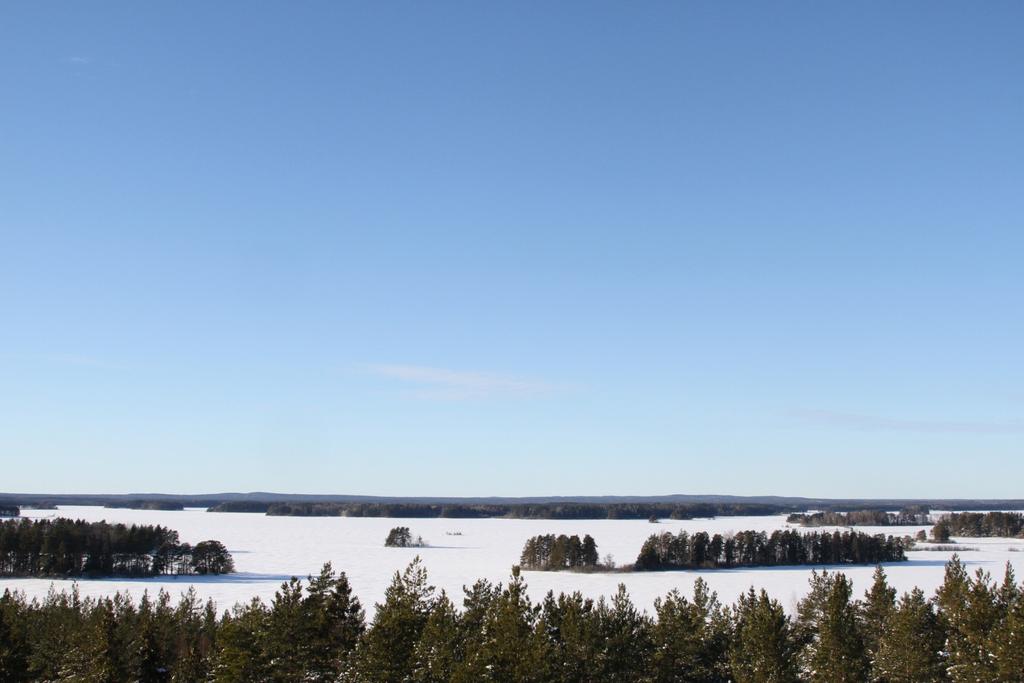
269 550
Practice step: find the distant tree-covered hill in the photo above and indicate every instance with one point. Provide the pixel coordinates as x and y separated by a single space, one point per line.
514 511
171 505
262 499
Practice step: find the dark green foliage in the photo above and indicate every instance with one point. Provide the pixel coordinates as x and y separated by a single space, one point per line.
911 647
970 609
333 622
567 510
1004 524
625 639
14 640
387 653
830 634
762 649
211 557
690 639
757 548
554 553
164 505
193 629
941 532
401 537
906 517
878 605
440 650
1006 641
241 656
65 547
570 625
314 631
510 645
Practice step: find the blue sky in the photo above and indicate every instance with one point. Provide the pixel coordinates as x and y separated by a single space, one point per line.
512 249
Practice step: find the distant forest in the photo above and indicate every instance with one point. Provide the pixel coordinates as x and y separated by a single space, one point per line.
168 505
10 511
759 549
914 516
260 501
65 547
978 524
517 511
971 630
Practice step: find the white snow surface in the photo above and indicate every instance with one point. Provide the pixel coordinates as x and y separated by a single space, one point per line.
269 550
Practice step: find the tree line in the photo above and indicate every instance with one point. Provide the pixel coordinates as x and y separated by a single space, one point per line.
759 549
978 524
163 505
554 553
972 629
914 516
65 547
512 510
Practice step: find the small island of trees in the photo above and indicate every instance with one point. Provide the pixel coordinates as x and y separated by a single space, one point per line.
759 549
979 524
556 553
65 547
910 516
10 511
401 537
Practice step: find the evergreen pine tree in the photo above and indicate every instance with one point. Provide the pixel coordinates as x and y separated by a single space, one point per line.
834 651
690 638
193 627
512 648
911 647
14 643
148 664
386 651
285 638
879 603
104 653
334 623
569 624
1009 591
625 639
763 650
440 649
590 556
57 639
1006 642
968 612
240 655
940 532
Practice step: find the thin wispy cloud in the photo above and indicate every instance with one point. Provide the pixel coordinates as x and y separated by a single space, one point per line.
442 383
895 424
79 60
